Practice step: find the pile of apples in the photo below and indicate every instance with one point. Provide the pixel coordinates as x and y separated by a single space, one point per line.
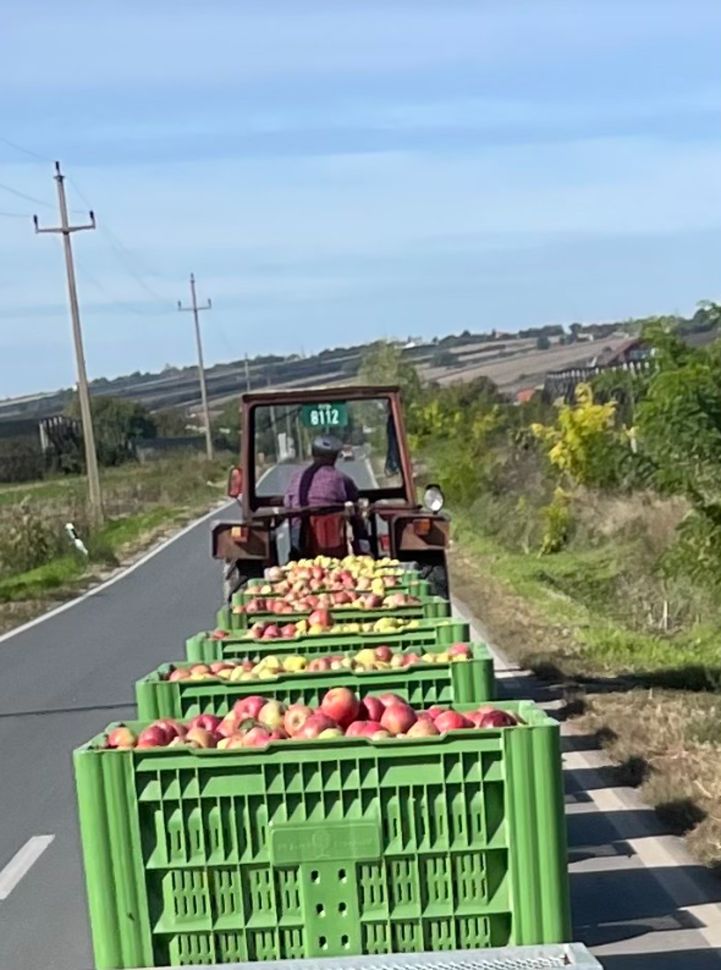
321 621
255 721
378 658
295 601
316 579
323 567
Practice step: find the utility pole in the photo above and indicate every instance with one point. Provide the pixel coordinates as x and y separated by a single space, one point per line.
247 374
195 309
91 457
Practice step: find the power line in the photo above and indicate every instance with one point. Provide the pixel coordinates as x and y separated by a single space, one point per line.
25 151
23 195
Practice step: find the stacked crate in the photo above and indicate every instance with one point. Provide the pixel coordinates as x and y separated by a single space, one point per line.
325 848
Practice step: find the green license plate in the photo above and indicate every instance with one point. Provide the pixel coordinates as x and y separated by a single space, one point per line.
320 416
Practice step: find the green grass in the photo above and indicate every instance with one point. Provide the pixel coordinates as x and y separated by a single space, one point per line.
571 589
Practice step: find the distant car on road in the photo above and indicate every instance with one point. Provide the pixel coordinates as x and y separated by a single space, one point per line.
346 453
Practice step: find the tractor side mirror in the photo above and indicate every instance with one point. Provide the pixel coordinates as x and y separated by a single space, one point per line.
235 482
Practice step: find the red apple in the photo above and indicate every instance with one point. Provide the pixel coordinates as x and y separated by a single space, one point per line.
318 665
314 725
388 699
278 734
249 706
153 736
295 717
341 705
357 729
409 659
398 717
451 721
208 722
219 635
229 725
257 737
434 711
121 737
174 729
497 719
383 653
271 632
288 631
256 631
459 650
199 669
320 617
371 709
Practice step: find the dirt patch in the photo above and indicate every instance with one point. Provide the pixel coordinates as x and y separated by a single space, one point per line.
666 743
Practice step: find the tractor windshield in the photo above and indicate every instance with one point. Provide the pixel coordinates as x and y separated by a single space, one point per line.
283 434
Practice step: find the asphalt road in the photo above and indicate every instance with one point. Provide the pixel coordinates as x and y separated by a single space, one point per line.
634 902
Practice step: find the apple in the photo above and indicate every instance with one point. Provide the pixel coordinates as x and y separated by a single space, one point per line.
257 737
357 729
201 736
180 673
153 736
219 634
497 719
434 711
384 652
396 661
122 737
341 705
174 729
278 734
274 574
249 706
321 617
398 717
271 632
288 631
460 650
217 666
328 734
451 721
318 665
229 725
387 699
423 728
314 725
295 717
208 722
409 659
199 669
271 715
371 709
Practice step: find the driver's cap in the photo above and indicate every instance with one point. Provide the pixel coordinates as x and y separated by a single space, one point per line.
326 446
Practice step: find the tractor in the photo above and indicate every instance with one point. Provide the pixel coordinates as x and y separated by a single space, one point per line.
277 432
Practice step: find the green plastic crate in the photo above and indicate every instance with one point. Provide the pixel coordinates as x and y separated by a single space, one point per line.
433 635
461 682
308 849
433 608
414 586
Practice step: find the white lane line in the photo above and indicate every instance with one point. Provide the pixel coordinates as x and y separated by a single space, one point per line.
23 859
115 579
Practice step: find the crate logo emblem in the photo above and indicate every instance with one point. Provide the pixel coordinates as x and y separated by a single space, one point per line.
331 842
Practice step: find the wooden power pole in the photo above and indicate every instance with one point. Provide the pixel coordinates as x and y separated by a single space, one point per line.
195 309
91 457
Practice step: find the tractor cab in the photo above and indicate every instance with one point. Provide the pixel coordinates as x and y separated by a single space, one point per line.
278 429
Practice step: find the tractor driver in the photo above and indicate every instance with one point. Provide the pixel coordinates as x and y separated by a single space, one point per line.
320 484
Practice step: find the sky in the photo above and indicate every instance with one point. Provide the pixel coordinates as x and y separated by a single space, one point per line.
335 171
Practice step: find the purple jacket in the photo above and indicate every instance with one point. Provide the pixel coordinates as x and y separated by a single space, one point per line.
329 487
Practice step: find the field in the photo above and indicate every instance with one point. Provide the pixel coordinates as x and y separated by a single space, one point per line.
142 502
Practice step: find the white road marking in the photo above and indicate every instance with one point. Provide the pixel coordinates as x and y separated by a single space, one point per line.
21 862
114 579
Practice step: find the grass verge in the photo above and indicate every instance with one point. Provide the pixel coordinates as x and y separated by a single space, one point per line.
143 503
650 699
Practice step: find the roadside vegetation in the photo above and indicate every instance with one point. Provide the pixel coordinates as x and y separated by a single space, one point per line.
588 537
142 502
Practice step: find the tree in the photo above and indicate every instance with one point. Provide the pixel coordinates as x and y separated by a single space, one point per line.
543 342
171 423
382 363
118 425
